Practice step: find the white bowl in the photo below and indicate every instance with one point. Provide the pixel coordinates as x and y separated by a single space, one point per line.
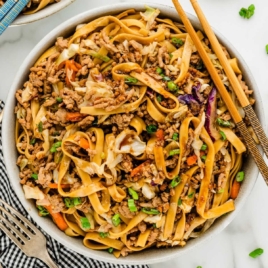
10 154
43 13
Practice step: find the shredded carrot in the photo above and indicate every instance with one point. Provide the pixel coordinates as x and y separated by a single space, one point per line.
55 185
57 218
137 169
73 117
191 160
235 189
75 67
84 143
160 134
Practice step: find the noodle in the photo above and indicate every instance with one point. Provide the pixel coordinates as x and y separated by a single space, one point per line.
121 132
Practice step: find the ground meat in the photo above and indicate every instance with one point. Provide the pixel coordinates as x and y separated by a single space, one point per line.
156 202
49 102
127 163
153 236
165 197
70 98
61 115
44 177
124 210
57 203
61 43
162 53
122 121
124 251
87 121
142 227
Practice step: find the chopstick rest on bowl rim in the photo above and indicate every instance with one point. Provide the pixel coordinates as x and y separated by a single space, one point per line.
224 94
6 7
240 94
12 14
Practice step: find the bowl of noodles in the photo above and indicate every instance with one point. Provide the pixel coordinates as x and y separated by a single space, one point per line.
124 151
38 9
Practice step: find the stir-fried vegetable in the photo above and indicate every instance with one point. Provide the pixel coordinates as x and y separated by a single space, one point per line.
131 205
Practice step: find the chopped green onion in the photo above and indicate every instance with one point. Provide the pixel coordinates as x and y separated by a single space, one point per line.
154 225
223 136
191 195
116 220
131 205
255 253
99 56
72 202
59 99
199 267
175 136
42 211
175 182
159 70
151 129
177 41
54 147
40 126
103 235
172 86
179 202
131 80
240 176
110 250
151 211
204 157
247 13
58 157
32 141
85 223
266 47
204 147
166 78
174 152
133 193
34 176
159 98
223 123
170 55
221 191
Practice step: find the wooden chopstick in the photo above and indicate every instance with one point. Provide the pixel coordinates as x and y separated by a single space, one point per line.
224 94
240 94
12 14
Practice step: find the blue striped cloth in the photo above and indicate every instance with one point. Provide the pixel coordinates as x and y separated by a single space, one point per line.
12 14
6 7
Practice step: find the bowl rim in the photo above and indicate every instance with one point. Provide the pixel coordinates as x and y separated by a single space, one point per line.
41 14
12 171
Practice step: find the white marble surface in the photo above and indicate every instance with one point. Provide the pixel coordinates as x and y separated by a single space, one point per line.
249 230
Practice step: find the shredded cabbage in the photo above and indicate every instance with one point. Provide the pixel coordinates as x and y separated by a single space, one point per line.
67 53
149 15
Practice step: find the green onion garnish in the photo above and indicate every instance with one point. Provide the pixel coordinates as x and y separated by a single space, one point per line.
159 70
174 152
172 86
34 176
131 80
223 136
199 267
151 129
42 211
204 147
72 202
40 126
54 147
255 253
175 136
133 193
103 235
176 41
59 99
151 211
99 56
247 13
240 176
266 47
223 123
32 141
176 181
85 223
204 157
220 191
116 220
154 225
131 205
191 195
159 98
170 55
179 202
110 250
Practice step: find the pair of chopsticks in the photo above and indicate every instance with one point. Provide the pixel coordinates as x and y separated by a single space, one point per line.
255 123
9 12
